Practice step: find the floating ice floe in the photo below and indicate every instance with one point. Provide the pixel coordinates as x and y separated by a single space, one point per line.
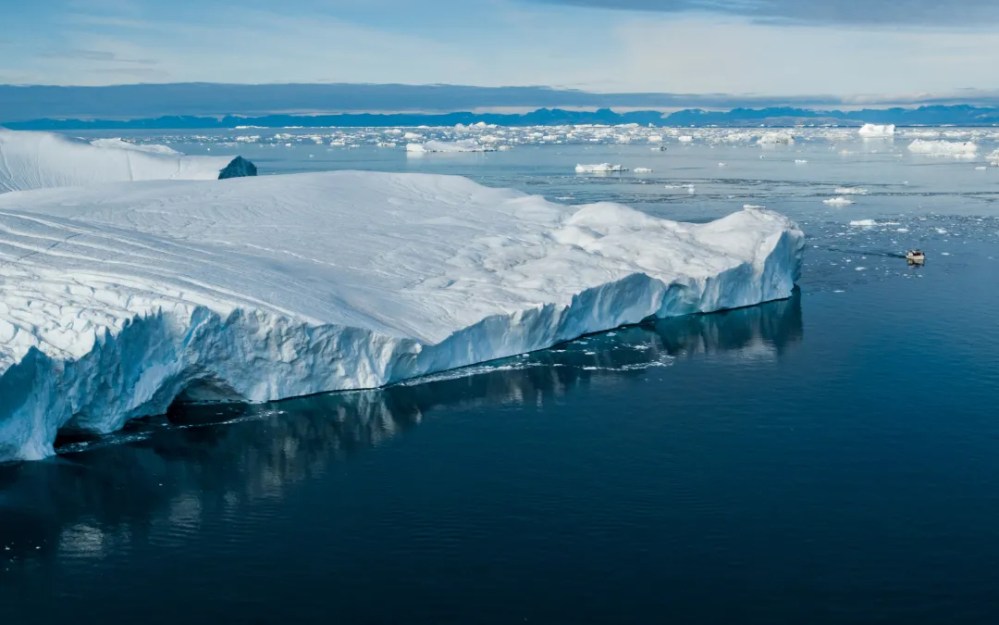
850 191
33 160
956 149
120 299
685 138
599 168
449 147
776 137
838 201
642 170
877 131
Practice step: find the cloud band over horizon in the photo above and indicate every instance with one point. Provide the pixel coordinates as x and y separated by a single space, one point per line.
846 48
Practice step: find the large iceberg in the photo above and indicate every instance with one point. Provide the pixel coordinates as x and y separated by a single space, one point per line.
35 160
120 299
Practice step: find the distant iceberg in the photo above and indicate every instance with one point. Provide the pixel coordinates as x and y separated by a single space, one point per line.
121 299
837 201
35 160
599 168
463 145
776 137
955 149
851 191
877 131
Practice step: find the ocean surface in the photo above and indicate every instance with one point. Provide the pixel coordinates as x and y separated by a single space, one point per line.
832 458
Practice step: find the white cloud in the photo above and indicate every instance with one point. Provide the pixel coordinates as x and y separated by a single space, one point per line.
489 43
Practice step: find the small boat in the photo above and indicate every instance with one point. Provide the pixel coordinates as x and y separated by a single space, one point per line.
915 257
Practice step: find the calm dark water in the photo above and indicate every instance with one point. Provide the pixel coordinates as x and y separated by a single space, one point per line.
829 459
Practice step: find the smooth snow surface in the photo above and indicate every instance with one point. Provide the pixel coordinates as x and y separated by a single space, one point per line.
119 299
956 149
876 131
35 160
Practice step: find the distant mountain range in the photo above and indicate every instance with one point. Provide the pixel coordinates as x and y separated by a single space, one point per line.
958 115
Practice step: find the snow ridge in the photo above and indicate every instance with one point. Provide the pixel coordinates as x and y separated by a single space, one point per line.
36 160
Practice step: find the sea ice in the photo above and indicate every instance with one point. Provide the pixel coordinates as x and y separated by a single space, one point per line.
776 137
462 145
837 201
876 131
120 299
599 168
956 149
33 160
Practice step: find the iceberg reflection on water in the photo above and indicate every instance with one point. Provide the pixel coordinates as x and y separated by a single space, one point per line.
209 459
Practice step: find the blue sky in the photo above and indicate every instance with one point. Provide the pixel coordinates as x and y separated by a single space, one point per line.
863 48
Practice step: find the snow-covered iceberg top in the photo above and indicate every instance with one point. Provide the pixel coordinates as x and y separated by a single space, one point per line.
877 131
956 149
35 160
462 145
119 299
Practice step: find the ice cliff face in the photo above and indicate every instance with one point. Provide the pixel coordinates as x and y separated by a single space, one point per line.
119 299
36 160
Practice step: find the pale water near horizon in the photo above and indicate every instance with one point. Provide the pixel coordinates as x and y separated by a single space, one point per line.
831 458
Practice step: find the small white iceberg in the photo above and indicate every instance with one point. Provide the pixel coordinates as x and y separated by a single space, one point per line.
776 137
599 168
448 147
850 191
955 149
877 131
837 201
